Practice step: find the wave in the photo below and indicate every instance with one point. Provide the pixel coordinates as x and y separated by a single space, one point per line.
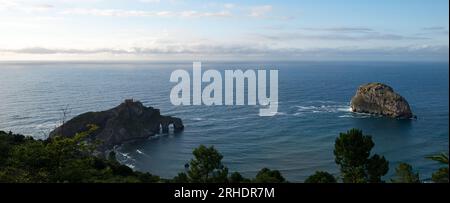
359 115
126 156
141 152
323 109
131 166
347 116
345 109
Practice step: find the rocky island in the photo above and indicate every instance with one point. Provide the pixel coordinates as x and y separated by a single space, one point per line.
130 121
380 99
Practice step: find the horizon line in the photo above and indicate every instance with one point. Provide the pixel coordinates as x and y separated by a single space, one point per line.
213 61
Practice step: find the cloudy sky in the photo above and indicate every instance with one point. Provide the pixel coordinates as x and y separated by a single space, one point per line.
224 30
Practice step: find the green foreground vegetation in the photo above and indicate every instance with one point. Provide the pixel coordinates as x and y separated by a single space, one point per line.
71 160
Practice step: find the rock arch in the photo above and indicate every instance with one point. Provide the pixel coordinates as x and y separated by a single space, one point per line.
166 121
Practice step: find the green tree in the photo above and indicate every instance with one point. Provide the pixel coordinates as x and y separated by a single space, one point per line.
441 175
207 167
376 168
180 178
236 177
404 173
321 177
352 154
266 175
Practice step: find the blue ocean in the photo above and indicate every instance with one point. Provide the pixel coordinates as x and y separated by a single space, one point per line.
313 109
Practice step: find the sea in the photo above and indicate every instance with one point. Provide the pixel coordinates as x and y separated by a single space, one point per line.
314 108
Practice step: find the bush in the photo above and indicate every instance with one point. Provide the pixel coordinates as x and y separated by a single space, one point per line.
404 173
60 160
266 175
321 177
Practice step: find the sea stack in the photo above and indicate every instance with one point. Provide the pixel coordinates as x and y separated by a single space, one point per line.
130 121
380 99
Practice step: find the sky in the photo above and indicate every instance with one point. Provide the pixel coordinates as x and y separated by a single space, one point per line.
224 30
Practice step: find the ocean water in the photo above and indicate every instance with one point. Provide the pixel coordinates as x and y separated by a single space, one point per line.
313 109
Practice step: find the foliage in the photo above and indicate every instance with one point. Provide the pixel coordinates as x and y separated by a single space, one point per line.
71 160
441 175
236 177
441 158
376 168
321 177
207 167
352 153
404 173
266 175
180 178
60 160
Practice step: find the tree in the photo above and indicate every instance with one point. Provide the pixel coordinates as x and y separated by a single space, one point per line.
352 152
376 168
321 177
207 167
266 175
404 173
236 177
181 178
441 175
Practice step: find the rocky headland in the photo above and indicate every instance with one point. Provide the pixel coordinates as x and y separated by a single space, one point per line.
130 121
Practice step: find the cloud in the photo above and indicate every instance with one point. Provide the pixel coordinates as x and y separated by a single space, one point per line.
150 1
8 4
333 34
338 37
260 11
22 6
204 14
229 6
140 13
237 52
44 51
436 28
116 13
342 29
161 1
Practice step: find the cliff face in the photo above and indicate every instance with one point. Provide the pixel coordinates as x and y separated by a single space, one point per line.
129 121
380 99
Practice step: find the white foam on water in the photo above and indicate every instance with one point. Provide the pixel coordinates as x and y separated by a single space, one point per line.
141 152
345 109
131 166
127 156
324 109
